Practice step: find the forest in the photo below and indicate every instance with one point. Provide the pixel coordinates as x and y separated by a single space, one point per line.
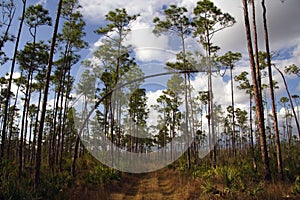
180 119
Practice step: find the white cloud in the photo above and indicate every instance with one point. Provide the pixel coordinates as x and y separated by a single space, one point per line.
147 46
42 2
95 10
283 23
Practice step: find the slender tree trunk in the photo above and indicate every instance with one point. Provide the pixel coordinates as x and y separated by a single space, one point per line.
12 119
73 169
5 36
45 97
291 100
36 128
251 134
187 121
257 66
4 126
277 137
233 113
24 121
258 102
60 124
63 126
28 105
192 117
186 101
211 121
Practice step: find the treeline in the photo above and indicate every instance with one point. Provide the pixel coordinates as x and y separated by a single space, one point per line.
109 103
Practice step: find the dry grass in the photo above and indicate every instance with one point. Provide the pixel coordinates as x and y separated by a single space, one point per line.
164 184
169 184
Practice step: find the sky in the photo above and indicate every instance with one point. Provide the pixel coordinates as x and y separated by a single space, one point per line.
283 24
152 52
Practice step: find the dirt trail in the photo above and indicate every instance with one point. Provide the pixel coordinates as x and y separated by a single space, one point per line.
164 184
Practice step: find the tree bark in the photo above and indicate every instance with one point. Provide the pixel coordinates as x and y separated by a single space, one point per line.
3 138
262 135
277 137
233 112
291 100
45 97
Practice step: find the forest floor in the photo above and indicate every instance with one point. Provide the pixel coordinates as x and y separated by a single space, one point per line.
169 184
163 184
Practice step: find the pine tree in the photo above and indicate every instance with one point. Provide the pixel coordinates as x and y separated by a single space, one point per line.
177 22
229 59
8 10
209 20
45 97
7 99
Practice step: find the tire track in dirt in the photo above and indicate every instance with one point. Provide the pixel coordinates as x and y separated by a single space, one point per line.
151 186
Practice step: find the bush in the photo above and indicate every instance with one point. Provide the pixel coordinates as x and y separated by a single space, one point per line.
51 186
102 174
10 190
296 189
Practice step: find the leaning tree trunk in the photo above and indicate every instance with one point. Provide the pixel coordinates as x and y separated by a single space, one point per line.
291 100
261 126
45 97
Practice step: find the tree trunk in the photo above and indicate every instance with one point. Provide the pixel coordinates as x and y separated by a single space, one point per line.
24 121
233 116
291 101
251 135
277 137
258 102
12 119
36 128
73 169
257 66
45 97
4 129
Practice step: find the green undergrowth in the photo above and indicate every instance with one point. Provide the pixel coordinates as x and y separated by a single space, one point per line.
239 178
57 185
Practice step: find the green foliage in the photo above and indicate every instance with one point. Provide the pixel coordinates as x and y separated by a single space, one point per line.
207 187
291 159
296 189
10 187
118 19
10 190
258 188
231 179
8 10
228 180
229 59
208 20
35 16
244 83
292 69
176 21
52 186
101 174
199 171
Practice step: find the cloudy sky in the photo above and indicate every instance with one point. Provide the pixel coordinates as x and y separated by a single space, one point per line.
284 29
283 23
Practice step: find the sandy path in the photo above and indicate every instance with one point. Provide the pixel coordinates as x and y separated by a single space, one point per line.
160 185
